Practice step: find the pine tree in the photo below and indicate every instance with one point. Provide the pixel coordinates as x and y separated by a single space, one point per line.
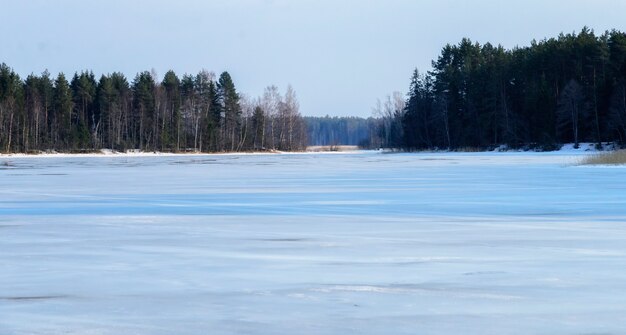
229 101
63 106
258 124
215 117
84 116
171 122
143 117
11 108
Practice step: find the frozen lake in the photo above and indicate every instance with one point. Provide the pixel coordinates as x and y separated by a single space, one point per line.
366 243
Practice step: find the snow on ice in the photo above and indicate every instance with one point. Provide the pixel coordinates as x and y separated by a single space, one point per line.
361 243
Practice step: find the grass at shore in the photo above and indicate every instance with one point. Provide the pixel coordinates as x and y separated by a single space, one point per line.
617 157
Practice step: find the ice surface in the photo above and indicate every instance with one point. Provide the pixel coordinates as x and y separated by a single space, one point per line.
368 243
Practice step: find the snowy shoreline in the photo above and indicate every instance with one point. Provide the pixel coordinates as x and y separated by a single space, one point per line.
110 153
566 148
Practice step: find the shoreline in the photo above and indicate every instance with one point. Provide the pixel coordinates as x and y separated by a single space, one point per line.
585 148
105 153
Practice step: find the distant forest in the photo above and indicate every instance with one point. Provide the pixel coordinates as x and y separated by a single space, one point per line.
566 89
193 113
336 130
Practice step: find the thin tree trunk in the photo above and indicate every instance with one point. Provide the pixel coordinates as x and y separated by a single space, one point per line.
10 132
595 107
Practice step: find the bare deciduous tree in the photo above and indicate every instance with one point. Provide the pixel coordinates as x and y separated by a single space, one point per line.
571 109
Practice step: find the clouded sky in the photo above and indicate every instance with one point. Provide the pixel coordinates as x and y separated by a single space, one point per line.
340 56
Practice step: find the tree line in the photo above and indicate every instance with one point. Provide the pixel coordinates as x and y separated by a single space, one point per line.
346 130
567 89
199 113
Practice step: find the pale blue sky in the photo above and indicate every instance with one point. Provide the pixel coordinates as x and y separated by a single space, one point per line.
339 55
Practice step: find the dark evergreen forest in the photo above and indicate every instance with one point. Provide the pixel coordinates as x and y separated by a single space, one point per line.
194 113
568 89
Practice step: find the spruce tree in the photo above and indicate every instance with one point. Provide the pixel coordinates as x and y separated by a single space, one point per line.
229 101
62 113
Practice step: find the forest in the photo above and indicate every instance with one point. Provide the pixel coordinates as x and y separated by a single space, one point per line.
568 89
192 113
345 130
